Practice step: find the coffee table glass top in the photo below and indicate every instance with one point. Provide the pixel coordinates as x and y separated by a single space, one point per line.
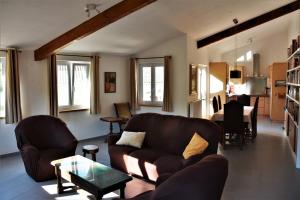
95 173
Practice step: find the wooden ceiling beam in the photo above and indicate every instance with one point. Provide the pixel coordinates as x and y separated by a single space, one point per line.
250 23
90 26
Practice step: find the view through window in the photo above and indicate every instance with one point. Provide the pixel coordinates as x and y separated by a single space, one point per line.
2 86
152 87
73 85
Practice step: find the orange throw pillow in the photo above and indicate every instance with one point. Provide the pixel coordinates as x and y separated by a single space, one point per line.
196 146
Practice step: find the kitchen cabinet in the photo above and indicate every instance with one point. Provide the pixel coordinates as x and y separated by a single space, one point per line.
278 91
263 105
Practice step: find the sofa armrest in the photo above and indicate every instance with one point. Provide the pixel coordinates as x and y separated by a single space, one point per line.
113 138
31 156
70 146
194 159
30 150
162 178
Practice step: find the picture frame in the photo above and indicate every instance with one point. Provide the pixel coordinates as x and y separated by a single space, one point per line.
193 79
110 85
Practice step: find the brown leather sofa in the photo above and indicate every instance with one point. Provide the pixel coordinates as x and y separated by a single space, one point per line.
204 180
165 140
41 139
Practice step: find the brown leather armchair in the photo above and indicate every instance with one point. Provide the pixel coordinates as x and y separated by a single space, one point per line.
41 139
204 180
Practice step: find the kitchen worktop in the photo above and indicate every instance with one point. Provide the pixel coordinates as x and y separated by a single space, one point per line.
251 95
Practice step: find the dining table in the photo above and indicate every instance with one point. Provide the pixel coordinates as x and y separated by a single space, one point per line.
219 116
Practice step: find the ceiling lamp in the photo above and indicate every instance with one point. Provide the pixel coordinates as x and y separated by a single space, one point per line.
235 73
91 7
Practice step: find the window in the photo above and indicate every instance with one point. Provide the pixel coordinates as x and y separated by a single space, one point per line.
152 84
73 85
246 57
2 87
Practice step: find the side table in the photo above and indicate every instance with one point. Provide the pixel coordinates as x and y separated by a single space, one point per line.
112 120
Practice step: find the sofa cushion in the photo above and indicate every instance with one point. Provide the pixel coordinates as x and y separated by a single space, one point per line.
140 162
149 155
168 164
117 156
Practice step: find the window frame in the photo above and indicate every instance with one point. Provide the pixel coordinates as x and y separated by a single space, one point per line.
71 74
151 103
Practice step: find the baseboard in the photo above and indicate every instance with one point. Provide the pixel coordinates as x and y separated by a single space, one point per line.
102 137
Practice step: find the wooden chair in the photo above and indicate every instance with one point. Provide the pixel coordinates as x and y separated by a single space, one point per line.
123 111
234 125
254 120
244 99
215 104
220 102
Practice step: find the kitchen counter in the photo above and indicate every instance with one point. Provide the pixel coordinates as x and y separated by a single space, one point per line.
251 95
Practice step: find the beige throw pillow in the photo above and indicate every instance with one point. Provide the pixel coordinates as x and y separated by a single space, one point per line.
134 139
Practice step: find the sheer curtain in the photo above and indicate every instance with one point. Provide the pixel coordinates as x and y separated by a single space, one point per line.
13 112
167 100
53 85
95 107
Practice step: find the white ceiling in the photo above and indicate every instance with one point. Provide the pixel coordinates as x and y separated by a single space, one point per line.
29 24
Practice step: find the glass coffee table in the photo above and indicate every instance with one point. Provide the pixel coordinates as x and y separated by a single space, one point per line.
90 176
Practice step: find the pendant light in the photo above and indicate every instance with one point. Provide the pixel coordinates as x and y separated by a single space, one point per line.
235 73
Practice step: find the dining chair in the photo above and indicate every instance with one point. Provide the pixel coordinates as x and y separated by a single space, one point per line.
254 120
219 102
234 126
215 104
123 111
244 99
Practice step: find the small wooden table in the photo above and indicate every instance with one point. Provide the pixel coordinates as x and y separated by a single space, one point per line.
112 120
90 149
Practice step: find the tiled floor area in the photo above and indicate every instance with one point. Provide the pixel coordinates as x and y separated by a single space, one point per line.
264 170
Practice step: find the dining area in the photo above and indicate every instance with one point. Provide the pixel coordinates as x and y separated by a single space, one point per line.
238 119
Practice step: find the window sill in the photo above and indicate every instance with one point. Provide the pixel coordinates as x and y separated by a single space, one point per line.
150 105
66 110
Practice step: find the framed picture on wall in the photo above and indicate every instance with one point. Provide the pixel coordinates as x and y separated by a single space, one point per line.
110 82
193 79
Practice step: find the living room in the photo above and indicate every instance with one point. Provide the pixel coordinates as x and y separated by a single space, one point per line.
28 27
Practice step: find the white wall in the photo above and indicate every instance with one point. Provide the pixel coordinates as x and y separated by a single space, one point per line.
294 28
177 48
34 99
271 49
197 56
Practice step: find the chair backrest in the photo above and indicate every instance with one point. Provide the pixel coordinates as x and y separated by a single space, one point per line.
203 180
43 132
215 104
233 117
220 102
254 115
123 110
244 99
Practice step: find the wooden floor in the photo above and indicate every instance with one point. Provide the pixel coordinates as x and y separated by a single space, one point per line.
264 170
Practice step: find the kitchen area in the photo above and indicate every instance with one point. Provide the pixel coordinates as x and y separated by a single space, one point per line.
245 77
